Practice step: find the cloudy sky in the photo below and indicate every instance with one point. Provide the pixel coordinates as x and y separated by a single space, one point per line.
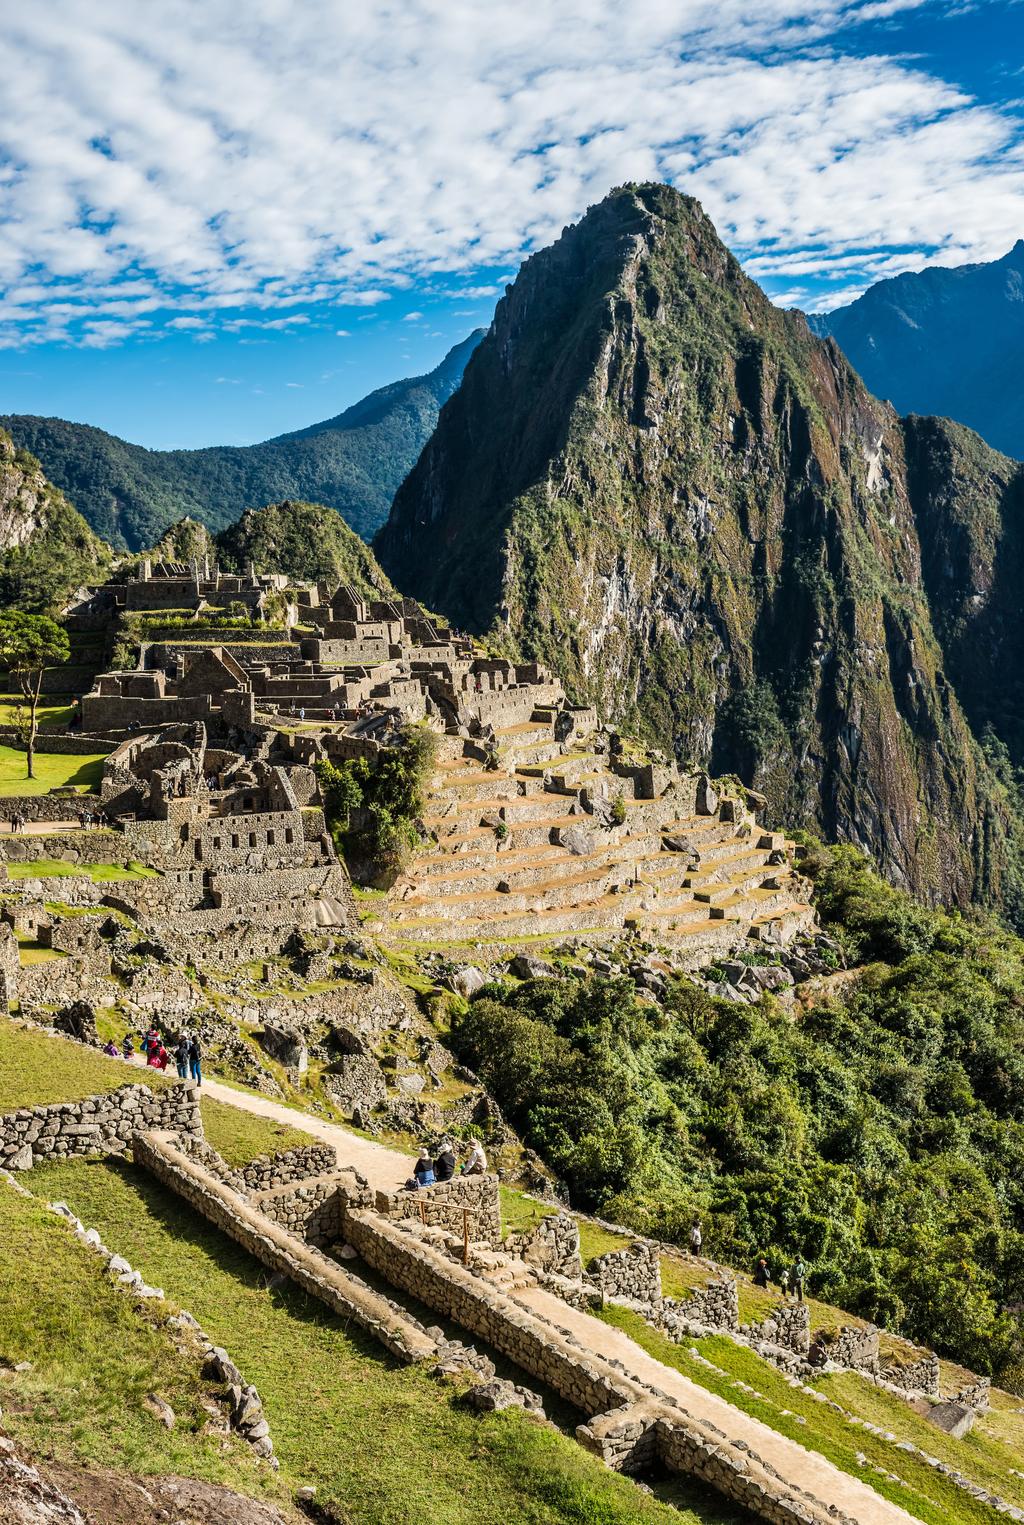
221 221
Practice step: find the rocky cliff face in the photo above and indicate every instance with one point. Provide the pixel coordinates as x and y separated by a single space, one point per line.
693 508
46 548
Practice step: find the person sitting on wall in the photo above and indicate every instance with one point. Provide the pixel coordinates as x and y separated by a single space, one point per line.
444 1165
476 1165
422 1172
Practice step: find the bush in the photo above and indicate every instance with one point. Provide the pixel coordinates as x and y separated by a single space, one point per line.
373 806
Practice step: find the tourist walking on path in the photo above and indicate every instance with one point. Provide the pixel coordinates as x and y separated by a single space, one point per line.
195 1060
182 1055
150 1042
799 1276
762 1275
158 1056
696 1237
784 1283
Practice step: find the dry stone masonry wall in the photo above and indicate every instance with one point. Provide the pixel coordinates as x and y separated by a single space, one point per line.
633 1272
101 1124
444 1205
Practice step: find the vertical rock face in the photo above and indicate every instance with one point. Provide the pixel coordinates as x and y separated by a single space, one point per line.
46 547
692 507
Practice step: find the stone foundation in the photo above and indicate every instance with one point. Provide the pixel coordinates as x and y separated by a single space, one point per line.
552 1245
634 1272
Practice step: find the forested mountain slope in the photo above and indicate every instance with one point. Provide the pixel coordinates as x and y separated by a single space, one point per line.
353 463
944 341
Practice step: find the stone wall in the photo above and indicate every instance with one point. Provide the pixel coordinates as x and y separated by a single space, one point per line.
717 1305
788 1325
634 1272
975 1395
272 1170
551 1245
848 1346
443 1205
315 1209
10 967
261 1237
921 1376
97 1125
626 1408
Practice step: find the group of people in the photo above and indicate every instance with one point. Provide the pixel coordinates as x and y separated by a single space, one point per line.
429 1170
188 1054
792 1278
17 821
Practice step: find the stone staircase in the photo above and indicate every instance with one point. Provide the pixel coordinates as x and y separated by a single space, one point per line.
530 848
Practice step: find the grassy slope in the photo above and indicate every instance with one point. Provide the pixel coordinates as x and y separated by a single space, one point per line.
36 1069
386 1443
53 714
95 1354
242 1136
923 1492
53 771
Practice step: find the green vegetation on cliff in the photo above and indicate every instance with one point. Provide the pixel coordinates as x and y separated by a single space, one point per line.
881 1134
46 549
306 541
692 509
353 463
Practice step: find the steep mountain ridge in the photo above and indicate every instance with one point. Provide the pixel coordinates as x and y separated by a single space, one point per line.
945 341
353 463
695 510
46 547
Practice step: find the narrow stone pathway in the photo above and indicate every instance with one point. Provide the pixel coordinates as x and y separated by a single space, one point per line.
388 1168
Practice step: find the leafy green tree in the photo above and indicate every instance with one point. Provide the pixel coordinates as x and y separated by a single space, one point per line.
29 644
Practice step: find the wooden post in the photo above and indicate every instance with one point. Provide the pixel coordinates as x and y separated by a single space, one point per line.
465 1236
423 1211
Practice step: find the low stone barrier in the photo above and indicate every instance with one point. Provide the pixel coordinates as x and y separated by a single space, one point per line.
633 1272
552 1245
975 1395
788 1325
315 1209
717 1304
848 1346
101 1124
920 1376
273 1170
442 1206
274 1247
633 1426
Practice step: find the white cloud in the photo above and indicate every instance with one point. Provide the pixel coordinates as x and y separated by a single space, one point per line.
412 317
161 159
342 333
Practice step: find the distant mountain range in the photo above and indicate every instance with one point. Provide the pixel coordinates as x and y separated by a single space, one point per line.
941 341
353 463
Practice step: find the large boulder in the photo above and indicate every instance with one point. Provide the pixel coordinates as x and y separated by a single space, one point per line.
954 1418
524 967
467 980
286 1045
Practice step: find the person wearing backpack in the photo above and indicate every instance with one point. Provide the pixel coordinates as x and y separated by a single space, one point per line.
696 1237
195 1057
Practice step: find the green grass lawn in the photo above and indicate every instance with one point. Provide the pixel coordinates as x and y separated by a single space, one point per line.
386 1444
95 1355
520 1213
36 1069
242 1136
922 1492
99 873
53 771
54 712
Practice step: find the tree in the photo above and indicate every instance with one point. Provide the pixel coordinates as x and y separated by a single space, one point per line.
29 643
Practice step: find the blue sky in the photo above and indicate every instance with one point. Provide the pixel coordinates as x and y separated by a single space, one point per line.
212 233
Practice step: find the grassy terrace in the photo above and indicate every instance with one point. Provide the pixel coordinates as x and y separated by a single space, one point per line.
53 771
36 1069
765 1394
99 873
387 1445
54 712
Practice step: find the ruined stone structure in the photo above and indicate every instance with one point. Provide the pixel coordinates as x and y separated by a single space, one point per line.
101 1124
